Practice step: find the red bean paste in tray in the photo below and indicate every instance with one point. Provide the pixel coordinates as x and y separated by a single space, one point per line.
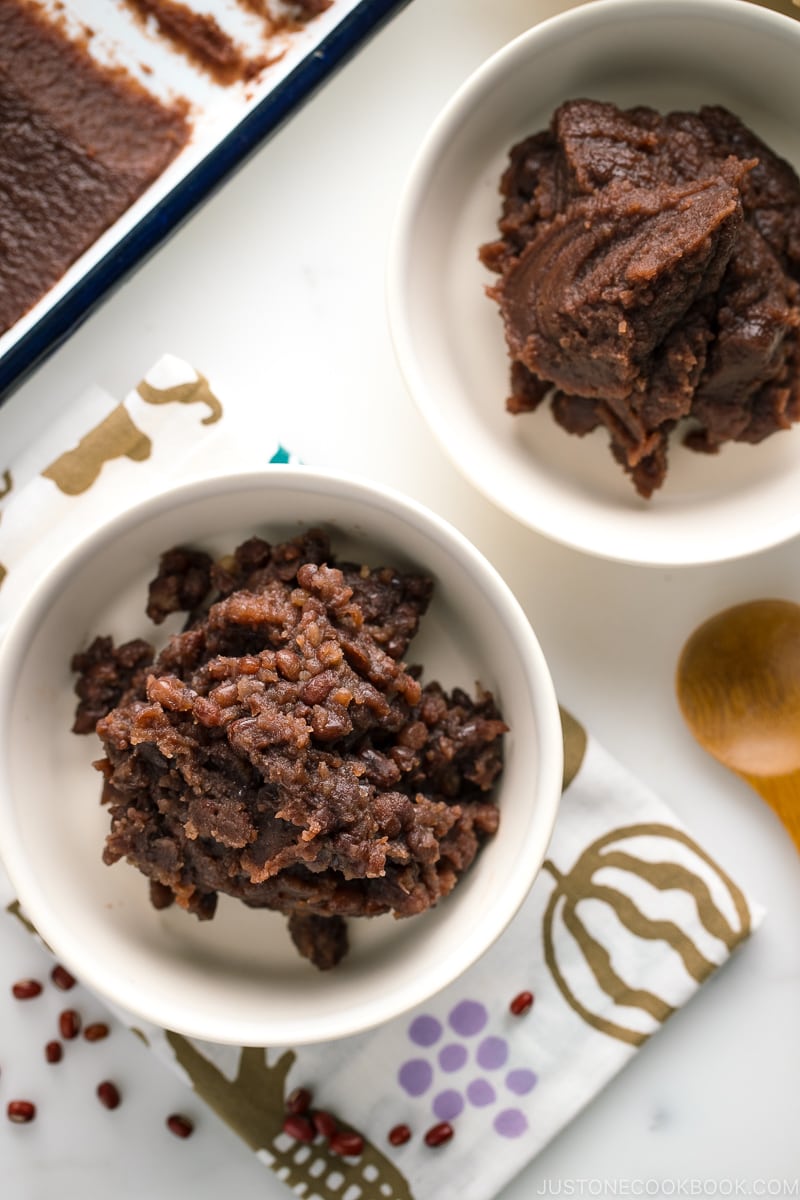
649 270
80 142
81 139
279 750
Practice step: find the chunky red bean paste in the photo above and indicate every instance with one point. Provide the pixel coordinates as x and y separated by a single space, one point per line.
279 749
649 270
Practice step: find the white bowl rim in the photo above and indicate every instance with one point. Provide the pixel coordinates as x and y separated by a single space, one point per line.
648 552
41 910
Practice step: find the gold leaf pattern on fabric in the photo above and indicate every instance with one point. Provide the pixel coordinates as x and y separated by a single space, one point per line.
5 488
574 746
14 909
116 436
579 884
253 1102
196 392
789 8
254 1105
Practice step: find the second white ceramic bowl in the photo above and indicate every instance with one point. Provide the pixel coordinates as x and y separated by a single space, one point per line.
668 54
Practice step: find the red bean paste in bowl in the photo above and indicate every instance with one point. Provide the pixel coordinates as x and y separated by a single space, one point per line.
279 750
649 272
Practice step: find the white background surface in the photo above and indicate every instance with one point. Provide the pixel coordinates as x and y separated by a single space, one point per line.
276 291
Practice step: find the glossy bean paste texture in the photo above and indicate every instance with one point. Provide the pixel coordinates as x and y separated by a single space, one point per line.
279 750
648 275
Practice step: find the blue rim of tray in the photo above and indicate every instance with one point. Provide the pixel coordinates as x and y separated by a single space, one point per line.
156 226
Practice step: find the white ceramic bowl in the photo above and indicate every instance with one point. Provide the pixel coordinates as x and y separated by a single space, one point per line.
237 978
448 334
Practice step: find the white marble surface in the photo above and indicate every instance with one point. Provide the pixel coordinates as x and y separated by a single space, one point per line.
275 290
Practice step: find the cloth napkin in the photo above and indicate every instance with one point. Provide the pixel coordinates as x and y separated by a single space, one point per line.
627 919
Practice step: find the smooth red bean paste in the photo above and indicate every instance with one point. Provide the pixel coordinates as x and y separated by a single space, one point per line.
649 270
279 749
202 40
80 142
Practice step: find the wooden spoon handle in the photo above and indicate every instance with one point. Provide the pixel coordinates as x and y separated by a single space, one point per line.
782 793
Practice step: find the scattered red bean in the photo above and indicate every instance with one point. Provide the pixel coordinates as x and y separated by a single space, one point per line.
298 1101
324 1123
69 1022
181 1126
298 1127
399 1135
108 1094
437 1135
96 1031
521 1004
350 1145
26 989
53 1052
21 1111
62 978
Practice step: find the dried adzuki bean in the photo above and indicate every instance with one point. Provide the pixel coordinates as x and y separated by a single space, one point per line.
62 978
21 1111
108 1094
26 989
54 1052
96 1031
324 1123
399 1135
521 1004
69 1023
350 1145
298 1127
298 1101
181 1126
437 1135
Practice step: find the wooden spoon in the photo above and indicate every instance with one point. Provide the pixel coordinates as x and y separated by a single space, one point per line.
738 685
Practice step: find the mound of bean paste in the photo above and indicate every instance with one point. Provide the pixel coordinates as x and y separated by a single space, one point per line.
279 749
649 274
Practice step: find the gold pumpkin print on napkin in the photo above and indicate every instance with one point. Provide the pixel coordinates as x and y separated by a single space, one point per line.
563 928
665 875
